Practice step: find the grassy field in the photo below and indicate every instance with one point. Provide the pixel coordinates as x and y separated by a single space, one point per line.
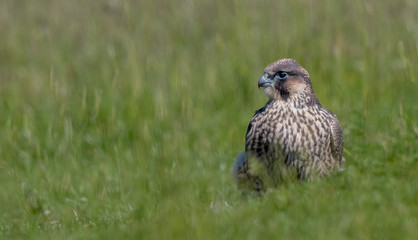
122 119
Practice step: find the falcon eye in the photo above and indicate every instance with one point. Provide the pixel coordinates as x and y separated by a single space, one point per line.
281 75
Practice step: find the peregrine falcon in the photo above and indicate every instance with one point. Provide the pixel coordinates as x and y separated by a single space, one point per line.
292 136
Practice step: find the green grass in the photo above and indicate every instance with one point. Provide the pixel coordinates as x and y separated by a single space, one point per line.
122 119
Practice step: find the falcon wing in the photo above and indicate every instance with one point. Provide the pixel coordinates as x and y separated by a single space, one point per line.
337 144
249 136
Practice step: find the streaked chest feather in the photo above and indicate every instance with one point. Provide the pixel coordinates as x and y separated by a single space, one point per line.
281 128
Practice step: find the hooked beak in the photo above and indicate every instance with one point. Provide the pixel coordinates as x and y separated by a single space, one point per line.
265 81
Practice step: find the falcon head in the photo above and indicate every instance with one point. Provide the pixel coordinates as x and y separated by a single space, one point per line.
285 78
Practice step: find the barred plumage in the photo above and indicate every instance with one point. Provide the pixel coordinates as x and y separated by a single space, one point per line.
291 134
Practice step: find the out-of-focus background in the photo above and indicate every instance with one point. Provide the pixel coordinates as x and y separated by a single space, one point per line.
122 119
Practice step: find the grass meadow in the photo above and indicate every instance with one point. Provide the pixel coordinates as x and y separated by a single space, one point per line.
122 119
